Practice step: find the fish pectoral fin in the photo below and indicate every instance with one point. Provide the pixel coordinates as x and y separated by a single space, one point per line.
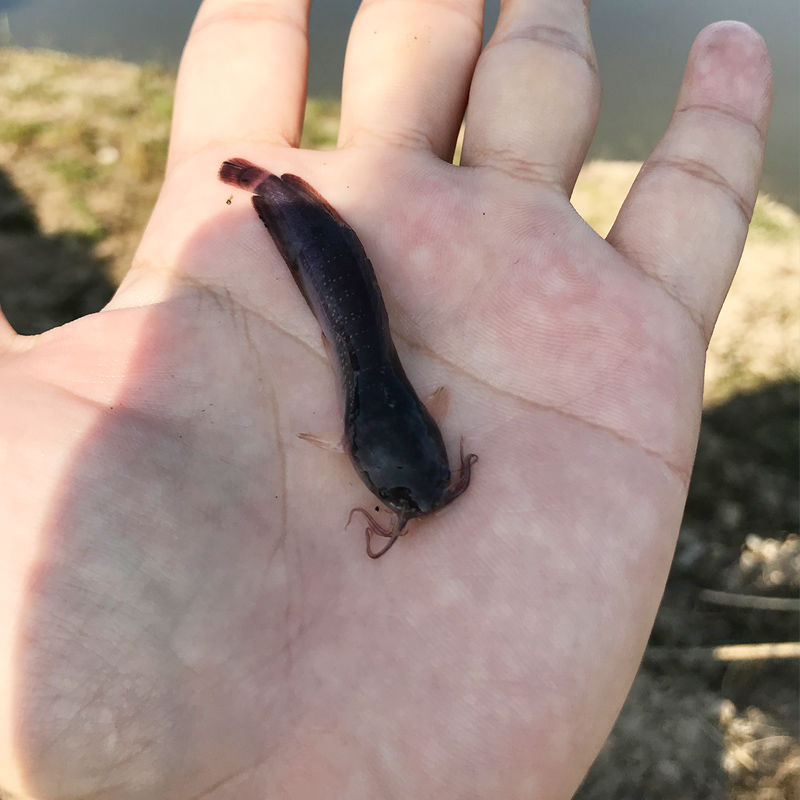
438 403
328 350
331 441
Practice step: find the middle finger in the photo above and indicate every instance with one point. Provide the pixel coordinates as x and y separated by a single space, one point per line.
407 72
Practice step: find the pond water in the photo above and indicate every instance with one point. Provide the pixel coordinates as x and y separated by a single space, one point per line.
641 49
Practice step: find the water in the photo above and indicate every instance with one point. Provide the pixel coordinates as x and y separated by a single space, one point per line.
641 49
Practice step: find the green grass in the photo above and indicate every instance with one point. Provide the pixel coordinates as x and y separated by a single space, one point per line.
321 124
72 171
20 132
767 222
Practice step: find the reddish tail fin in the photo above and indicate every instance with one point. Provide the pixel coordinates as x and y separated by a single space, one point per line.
241 173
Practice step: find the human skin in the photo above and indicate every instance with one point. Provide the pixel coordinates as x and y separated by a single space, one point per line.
183 613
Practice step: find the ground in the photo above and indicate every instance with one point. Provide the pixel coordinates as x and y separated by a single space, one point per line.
82 147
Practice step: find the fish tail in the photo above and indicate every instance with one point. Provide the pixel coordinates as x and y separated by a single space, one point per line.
240 172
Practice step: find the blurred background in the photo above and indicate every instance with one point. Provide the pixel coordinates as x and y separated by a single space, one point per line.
641 47
713 711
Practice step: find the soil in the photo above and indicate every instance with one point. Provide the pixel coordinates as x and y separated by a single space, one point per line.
82 148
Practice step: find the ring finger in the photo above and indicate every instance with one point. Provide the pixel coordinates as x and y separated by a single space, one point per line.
536 93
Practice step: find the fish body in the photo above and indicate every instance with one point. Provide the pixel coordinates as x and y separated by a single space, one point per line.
392 440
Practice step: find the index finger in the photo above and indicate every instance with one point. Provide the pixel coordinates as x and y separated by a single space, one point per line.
242 75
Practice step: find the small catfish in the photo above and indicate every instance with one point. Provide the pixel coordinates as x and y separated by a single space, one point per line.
391 438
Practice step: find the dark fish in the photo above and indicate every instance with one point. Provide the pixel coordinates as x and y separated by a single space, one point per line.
393 441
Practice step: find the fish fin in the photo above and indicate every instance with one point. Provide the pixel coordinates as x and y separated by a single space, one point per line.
438 403
328 350
242 173
310 194
331 441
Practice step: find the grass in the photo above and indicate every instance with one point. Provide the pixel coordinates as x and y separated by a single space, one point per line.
321 124
21 132
86 142
73 171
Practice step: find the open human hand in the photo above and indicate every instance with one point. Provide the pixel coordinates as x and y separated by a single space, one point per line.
184 614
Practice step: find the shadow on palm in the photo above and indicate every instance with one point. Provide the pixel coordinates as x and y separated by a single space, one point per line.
229 573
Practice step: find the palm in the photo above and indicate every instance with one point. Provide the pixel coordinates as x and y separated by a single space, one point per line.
186 571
